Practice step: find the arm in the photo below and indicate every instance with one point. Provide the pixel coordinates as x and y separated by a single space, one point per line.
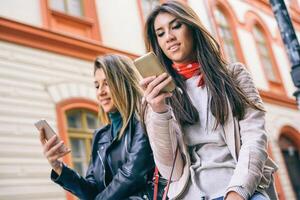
64 176
70 180
253 152
84 188
163 131
133 174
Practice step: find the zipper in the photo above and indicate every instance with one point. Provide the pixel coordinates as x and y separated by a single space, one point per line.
103 167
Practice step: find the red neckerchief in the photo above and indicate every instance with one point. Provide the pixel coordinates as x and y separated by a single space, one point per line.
190 70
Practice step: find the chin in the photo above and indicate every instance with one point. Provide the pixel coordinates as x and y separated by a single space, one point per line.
177 57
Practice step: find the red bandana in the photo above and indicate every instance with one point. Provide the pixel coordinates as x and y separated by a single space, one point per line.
190 70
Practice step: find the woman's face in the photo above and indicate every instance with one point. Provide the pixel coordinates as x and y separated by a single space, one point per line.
174 38
103 92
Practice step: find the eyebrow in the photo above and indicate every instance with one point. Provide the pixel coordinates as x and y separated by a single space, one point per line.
96 82
171 22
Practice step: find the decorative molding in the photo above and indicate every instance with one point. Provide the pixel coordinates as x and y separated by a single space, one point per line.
292 134
278 99
63 91
82 48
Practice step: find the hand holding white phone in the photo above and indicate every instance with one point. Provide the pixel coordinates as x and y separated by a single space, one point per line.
54 148
49 132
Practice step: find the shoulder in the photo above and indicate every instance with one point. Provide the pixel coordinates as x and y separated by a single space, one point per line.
101 132
138 127
244 80
238 70
241 75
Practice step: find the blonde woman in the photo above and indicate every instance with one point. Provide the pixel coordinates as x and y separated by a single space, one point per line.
121 157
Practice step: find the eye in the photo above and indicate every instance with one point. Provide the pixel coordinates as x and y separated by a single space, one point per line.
160 34
97 86
176 25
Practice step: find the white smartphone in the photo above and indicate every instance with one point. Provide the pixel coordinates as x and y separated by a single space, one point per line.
49 132
149 65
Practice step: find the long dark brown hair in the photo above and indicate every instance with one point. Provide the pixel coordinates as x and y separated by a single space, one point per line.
220 82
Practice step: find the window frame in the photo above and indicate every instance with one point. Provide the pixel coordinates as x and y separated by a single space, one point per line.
75 26
83 133
275 85
61 108
293 135
223 40
233 23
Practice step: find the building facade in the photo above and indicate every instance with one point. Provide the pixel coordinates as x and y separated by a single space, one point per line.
47 48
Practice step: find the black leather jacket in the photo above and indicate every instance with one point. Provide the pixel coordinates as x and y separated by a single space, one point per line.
118 169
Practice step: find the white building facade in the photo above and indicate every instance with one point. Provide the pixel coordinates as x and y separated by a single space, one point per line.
47 49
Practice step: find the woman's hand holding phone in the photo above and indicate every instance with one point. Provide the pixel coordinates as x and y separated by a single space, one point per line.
153 91
53 151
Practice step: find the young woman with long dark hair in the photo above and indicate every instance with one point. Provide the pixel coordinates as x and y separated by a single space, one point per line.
215 116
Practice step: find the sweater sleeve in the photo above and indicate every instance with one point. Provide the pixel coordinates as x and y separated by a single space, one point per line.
253 151
162 131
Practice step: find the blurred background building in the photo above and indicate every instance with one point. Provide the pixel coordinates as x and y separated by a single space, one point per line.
47 48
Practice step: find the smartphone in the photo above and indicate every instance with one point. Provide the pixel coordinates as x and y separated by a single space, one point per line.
49 132
149 65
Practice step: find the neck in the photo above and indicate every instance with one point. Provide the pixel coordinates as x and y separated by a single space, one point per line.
116 122
184 63
114 116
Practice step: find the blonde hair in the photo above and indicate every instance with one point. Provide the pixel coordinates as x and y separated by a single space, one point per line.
123 81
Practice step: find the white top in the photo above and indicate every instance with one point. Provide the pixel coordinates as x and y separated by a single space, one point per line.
212 164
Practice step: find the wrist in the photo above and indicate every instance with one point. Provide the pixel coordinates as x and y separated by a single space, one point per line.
234 195
58 168
161 109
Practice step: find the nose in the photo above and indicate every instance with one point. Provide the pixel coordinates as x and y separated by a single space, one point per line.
170 36
101 90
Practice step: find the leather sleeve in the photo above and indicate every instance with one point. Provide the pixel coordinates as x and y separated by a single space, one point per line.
132 176
84 188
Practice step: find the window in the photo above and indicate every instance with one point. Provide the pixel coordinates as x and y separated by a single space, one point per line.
263 42
76 18
71 7
80 126
264 54
147 6
225 33
292 160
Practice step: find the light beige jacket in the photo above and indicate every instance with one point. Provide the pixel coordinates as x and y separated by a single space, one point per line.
246 140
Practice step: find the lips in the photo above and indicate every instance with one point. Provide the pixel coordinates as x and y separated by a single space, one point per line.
104 101
174 47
